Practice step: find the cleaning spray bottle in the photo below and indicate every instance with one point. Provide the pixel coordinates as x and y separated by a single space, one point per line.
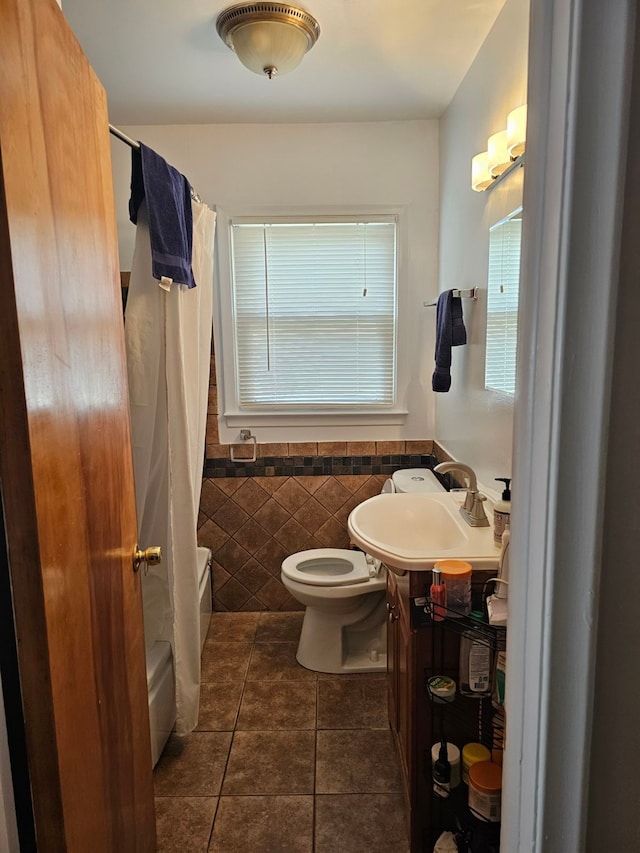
502 511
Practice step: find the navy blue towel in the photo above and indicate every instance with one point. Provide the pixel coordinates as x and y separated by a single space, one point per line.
450 332
168 196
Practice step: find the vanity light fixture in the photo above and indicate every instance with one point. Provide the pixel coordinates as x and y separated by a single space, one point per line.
504 148
517 131
497 154
480 176
268 38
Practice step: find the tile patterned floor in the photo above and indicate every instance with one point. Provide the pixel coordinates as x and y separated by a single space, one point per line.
284 760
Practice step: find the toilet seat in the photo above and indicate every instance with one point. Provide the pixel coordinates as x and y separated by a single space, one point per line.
327 567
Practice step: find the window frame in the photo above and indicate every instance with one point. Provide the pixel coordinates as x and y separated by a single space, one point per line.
234 415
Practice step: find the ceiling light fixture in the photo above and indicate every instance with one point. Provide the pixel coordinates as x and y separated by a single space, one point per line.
268 38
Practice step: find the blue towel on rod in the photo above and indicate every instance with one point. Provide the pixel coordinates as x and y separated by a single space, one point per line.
450 332
168 197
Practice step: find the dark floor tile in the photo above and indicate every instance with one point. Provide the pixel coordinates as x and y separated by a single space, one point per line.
233 627
279 627
184 823
357 762
192 766
219 703
278 705
265 824
225 661
277 662
352 703
271 763
360 823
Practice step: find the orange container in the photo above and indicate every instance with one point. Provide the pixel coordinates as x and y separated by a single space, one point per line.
456 576
485 791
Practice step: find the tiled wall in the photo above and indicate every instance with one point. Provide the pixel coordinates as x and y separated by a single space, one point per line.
251 523
294 497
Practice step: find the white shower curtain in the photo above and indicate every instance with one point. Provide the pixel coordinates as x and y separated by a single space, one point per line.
168 338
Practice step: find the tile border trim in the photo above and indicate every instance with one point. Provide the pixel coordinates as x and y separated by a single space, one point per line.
317 466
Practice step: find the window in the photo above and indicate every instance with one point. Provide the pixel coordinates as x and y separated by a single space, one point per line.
502 304
314 313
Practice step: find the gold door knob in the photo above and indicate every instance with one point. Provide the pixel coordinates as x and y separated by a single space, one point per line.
147 557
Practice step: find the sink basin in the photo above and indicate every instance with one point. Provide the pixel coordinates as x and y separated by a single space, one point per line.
412 531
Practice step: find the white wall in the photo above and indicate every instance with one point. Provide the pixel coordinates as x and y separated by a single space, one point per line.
475 425
323 167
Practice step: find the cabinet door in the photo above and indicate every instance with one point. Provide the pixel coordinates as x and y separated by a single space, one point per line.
405 702
392 654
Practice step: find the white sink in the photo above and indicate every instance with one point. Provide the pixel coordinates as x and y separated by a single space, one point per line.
412 531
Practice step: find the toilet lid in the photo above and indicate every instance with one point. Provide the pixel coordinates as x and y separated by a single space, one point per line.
327 567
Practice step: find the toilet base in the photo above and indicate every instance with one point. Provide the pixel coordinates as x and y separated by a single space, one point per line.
329 645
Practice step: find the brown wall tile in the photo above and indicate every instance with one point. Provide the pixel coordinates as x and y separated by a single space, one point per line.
303 448
332 448
441 455
217 451
252 524
361 448
388 448
265 450
212 436
419 446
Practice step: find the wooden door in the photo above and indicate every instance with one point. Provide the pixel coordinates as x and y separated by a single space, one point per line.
65 457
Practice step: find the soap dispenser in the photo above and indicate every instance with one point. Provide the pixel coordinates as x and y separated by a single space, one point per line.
502 511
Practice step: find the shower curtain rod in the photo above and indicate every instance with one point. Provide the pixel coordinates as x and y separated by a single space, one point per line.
133 144
123 136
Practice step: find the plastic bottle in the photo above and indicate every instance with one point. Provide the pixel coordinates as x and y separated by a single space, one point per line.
453 756
475 664
438 595
502 511
442 772
456 575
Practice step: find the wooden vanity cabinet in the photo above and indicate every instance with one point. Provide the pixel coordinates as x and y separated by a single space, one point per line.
411 653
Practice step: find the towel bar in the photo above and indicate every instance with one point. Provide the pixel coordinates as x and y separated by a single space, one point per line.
471 293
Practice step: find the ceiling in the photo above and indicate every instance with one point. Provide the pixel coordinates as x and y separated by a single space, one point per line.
162 61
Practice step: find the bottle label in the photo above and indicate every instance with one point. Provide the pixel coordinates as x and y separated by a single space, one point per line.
479 667
441 788
500 520
485 806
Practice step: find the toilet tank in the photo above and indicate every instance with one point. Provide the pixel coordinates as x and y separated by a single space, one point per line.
415 480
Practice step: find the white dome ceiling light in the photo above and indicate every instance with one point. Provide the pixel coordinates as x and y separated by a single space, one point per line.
268 38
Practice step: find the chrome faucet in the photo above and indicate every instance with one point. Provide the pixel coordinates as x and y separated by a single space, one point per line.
472 510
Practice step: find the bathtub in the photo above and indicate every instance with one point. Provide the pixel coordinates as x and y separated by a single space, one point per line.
161 683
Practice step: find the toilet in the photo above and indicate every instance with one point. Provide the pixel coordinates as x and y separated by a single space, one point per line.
345 622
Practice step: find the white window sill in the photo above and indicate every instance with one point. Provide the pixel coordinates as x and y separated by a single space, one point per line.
357 417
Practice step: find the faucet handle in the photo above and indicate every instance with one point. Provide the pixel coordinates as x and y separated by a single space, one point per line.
478 516
469 501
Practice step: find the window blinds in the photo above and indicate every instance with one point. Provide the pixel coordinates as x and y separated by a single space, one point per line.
502 305
315 313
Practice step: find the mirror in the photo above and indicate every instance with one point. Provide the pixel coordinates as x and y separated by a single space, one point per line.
502 303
